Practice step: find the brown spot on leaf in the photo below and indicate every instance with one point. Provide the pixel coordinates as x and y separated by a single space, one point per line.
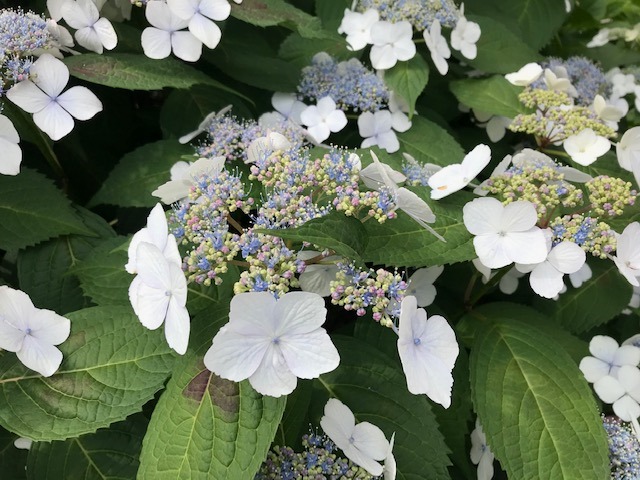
225 394
197 386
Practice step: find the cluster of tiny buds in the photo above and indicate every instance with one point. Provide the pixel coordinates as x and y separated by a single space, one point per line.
380 290
419 13
624 449
417 173
379 204
593 236
609 195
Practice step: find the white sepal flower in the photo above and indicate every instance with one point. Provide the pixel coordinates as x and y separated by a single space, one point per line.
204 124
525 76
372 177
317 277
482 189
437 46
30 332
53 111
420 284
391 42
11 152
622 391
627 257
480 453
610 112
428 350
178 188
580 276
465 35
399 108
558 79
55 8
61 39
159 294
199 15
273 342
157 233
607 358
585 147
164 36
390 466
628 149
363 443
92 32
288 105
528 157
600 39
456 176
376 129
357 27
504 234
323 118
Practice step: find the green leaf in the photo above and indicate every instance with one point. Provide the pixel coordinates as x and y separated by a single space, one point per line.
375 389
331 13
491 95
201 413
299 51
499 49
131 182
12 459
408 80
344 235
598 300
32 209
534 404
112 366
109 454
269 13
102 275
430 143
43 270
535 21
402 241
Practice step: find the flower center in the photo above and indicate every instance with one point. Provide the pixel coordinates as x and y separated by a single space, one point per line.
417 341
276 341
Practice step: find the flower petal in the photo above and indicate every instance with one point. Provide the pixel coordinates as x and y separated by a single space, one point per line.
205 30
50 75
273 376
39 356
28 97
54 120
235 356
186 46
311 354
156 43
80 102
177 326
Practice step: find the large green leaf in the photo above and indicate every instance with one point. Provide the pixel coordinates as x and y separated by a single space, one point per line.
12 459
408 80
491 95
32 209
534 404
43 270
139 173
598 300
112 366
201 413
375 389
109 454
137 72
430 143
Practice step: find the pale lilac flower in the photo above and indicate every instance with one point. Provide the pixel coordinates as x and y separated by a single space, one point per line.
480 453
465 35
525 76
622 391
585 147
610 112
165 35
607 358
317 277
30 332
627 257
376 129
53 111
428 350
399 108
55 8
92 32
199 15
288 106
437 46
11 152
178 188
364 444
420 284
582 275
391 42
357 27
456 176
273 342
323 118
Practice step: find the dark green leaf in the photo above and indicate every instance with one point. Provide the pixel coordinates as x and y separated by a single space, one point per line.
299 51
491 95
430 143
408 80
12 459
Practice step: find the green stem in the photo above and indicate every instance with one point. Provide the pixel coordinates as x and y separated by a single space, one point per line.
493 281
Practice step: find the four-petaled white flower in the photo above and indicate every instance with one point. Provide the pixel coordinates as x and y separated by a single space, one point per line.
178 188
399 108
437 46
628 150
607 358
199 15
391 42
323 118
480 453
273 342
627 257
159 294
288 106
525 76
585 147
92 32
31 332
53 111
364 444
317 277
428 350
456 176
357 26
504 234
465 35
164 36
622 391
11 152
558 79
420 284
376 129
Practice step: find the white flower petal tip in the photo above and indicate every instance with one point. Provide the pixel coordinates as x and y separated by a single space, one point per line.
627 257
30 332
428 350
505 234
363 443
323 118
480 453
273 342
12 154
628 151
456 176
186 138
546 277
607 358
420 285
437 46
392 42
262 147
526 75
178 188
377 129
585 147
357 27
464 37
